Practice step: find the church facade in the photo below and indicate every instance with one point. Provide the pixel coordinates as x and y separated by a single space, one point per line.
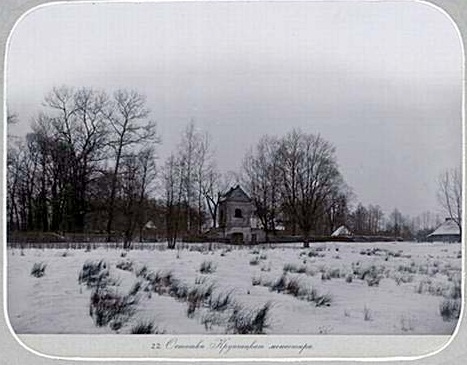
236 212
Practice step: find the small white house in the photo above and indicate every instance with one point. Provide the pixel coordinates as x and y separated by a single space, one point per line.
448 231
342 231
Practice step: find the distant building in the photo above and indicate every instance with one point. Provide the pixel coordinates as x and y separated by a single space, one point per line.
447 232
342 231
236 210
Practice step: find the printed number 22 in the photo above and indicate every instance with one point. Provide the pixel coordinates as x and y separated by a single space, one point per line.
156 346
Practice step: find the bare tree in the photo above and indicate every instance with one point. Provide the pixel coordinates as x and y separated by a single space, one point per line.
262 179
289 166
77 128
309 176
129 128
138 171
216 185
450 195
173 189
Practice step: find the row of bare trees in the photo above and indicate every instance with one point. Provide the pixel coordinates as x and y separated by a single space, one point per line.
295 180
192 186
89 166
89 155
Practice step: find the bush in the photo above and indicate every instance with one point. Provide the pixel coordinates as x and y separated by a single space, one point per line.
207 267
211 319
108 307
145 328
367 314
94 274
221 302
178 290
249 321
143 272
371 275
254 261
456 290
255 281
450 309
292 268
196 296
280 284
135 288
292 287
125 265
289 268
160 281
322 300
38 269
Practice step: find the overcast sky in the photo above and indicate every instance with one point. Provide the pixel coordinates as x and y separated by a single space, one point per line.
381 81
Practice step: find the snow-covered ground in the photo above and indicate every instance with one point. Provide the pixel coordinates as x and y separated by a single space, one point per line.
374 288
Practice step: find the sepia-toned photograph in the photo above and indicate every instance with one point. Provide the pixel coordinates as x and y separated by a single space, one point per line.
250 168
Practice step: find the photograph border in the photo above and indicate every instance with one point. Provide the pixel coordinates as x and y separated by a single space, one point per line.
449 346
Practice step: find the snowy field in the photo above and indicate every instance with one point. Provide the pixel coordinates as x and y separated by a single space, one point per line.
330 288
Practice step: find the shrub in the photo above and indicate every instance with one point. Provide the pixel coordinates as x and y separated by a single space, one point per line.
108 307
178 290
94 274
256 280
221 302
254 261
211 319
367 314
280 284
406 324
249 321
289 268
160 281
38 269
145 328
450 309
323 300
196 296
456 290
292 287
405 278
125 265
294 268
371 275
335 273
135 288
200 280
373 280
207 267
143 272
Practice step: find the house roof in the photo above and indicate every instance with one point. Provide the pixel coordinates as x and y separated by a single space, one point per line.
449 227
341 231
236 194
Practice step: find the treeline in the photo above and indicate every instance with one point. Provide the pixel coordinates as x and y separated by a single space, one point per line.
295 183
89 155
89 167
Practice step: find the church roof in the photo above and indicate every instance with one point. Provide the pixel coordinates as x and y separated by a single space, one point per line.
449 227
236 194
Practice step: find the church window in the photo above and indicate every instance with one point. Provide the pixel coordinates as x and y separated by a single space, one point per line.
238 213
